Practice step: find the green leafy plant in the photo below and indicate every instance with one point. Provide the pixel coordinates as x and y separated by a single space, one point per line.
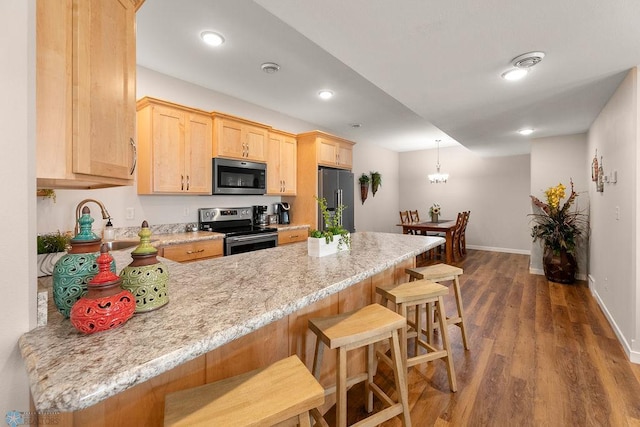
558 226
376 182
332 225
52 242
364 179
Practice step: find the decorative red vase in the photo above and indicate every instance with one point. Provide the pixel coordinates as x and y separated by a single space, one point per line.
106 305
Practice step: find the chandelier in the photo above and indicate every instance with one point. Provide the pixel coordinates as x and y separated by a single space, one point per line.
436 178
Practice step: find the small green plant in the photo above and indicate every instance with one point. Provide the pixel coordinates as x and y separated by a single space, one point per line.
332 225
376 182
52 242
364 179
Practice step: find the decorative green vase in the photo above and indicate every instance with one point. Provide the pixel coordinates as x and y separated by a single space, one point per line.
146 277
74 270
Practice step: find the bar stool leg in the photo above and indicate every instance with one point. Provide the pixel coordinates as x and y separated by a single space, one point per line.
371 370
460 311
399 374
442 320
303 420
341 386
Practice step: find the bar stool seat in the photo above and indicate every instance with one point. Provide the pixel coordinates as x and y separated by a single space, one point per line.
418 294
360 328
444 273
262 397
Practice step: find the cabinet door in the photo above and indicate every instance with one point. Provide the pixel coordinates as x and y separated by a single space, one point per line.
274 182
168 150
255 140
229 139
104 62
198 154
288 165
345 156
327 152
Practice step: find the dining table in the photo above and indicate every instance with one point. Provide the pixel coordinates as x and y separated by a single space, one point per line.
445 226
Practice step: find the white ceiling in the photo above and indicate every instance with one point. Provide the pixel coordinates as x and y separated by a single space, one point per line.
409 71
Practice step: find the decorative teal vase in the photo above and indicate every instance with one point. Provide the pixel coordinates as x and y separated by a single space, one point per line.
146 277
74 270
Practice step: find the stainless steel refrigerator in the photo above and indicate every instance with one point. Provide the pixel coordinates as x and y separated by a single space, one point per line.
336 186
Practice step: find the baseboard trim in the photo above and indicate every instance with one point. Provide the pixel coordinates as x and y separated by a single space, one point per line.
539 272
634 356
505 250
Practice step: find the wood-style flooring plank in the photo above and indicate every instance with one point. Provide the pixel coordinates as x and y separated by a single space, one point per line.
542 354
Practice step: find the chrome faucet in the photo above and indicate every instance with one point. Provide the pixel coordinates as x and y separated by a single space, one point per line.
105 213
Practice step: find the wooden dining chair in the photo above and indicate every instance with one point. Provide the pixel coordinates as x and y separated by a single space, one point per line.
415 216
463 239
404 217
455 247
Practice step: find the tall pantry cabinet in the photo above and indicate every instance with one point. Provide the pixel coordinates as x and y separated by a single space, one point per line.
85 93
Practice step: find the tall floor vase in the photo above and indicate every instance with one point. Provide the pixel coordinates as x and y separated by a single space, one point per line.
559 267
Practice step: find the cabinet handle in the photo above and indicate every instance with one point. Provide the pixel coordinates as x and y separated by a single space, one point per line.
135 155
188 182
195 252
182 182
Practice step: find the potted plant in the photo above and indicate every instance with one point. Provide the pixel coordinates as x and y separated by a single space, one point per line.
364 186
51 247
326 242
376 181
559 228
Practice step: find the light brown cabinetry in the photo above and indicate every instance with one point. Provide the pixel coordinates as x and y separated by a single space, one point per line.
185 252
316 149
237 138
292 236
334 152
281 164
85 93
174 148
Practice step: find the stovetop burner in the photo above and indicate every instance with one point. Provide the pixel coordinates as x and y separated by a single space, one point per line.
230 221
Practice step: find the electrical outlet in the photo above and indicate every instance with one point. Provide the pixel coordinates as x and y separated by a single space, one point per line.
186 212
618 213
130 213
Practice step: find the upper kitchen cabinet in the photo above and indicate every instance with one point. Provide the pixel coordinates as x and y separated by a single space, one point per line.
281 164
85 93
333 151
174 146
238 138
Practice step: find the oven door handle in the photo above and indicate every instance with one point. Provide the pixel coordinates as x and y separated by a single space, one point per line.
251 237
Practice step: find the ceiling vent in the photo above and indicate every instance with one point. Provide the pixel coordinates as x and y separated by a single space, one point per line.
270 67
527 60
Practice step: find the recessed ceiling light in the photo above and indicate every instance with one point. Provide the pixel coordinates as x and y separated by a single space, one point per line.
515 74
270 67
211 38
526 131
325 94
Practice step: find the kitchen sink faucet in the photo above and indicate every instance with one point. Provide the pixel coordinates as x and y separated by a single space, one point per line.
105 213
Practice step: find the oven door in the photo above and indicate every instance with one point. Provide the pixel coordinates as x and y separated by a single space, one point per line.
240 244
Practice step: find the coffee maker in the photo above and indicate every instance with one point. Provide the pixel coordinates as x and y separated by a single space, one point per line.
260 217
283 211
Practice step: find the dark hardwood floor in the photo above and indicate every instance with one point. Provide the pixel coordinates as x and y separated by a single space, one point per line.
542 354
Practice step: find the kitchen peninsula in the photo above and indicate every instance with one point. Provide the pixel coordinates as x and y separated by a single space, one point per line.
225 316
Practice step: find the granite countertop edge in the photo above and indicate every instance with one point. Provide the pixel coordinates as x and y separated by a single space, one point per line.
51 393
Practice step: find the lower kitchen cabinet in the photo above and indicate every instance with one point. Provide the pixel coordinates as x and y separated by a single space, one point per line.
292 236
186 252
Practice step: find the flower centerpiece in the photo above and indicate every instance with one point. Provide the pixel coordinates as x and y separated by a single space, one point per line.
559 227
434 211
325 242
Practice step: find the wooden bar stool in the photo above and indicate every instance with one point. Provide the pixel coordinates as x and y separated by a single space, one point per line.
263 397
444 273
348 331
418 294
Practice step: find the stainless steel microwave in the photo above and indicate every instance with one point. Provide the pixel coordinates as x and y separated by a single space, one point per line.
239 177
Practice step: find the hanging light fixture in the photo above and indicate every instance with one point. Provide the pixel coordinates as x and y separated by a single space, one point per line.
436 178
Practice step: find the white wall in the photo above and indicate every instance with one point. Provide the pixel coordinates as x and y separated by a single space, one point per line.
17 175
556 160
379 212
614 242
495 190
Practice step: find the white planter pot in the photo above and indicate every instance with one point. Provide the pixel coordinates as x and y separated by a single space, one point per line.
46 262
319 247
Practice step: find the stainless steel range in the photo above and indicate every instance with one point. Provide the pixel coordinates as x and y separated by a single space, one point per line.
241 235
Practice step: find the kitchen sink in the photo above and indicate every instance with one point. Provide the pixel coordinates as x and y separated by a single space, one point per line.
115 245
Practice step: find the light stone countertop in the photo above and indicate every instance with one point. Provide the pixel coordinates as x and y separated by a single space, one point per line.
211 303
